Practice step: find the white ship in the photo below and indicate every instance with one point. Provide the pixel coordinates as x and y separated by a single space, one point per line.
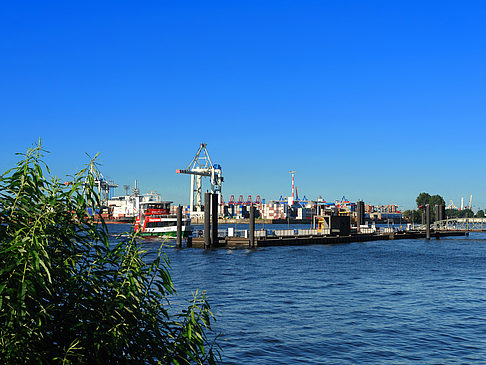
154 220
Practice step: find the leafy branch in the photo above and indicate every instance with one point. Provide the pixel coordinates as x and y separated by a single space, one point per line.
70 295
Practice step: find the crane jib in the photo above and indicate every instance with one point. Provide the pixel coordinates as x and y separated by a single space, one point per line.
193 172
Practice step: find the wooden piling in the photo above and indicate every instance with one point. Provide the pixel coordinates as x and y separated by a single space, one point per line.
179 227
207 217
427 221
214 219
252 226
360 214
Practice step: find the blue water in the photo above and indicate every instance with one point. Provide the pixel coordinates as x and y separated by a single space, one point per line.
402 301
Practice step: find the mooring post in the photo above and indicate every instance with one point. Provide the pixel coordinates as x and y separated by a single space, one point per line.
360 214
214 213
427 221
440 212
179 226
207 217
252 226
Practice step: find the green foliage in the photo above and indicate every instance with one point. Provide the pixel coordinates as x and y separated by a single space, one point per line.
412 216
432 200
69 295
480 214
456 213
422 199
426 198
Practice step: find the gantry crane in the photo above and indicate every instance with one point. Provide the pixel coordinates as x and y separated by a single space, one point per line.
105 187
200 166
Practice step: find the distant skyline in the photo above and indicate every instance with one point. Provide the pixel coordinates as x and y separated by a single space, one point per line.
375 100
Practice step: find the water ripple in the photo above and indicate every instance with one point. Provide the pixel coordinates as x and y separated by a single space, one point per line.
384 302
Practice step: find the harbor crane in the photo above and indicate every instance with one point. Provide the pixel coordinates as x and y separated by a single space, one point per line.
451 205
201 166
104 186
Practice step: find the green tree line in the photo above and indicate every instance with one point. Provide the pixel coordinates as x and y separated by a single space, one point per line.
422 199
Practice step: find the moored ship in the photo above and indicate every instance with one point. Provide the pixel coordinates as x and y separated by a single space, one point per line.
154 220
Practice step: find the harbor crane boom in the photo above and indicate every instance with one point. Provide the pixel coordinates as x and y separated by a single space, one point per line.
189 172
201 166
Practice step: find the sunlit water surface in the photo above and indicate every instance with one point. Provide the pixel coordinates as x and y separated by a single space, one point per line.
402 301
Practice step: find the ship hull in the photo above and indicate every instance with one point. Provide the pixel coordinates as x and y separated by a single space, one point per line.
166 232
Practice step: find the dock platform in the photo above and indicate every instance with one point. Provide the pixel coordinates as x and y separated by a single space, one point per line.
298 240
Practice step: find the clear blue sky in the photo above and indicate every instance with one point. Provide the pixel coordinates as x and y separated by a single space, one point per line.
374 100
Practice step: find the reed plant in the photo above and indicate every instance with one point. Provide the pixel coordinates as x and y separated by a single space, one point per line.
70 295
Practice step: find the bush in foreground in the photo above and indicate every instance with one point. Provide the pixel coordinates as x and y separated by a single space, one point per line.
68 296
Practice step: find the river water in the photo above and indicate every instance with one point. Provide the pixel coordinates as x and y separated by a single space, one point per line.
402 301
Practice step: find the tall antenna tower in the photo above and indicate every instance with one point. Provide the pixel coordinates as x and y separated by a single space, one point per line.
293 185
135 191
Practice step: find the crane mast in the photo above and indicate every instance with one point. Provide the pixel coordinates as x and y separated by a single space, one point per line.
103 185
201 166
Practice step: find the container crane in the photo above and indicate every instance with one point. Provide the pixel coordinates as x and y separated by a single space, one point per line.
451 205
104 186
241 200
201 166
